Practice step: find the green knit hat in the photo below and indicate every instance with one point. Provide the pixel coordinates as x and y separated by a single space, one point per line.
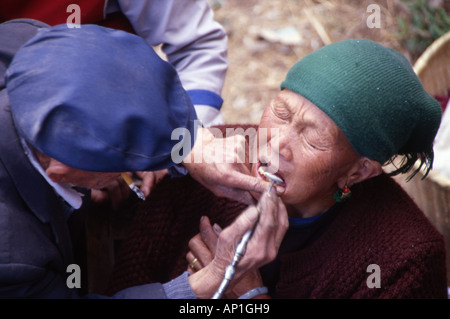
373 95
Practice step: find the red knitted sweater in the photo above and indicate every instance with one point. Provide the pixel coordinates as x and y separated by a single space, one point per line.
158 238
379 224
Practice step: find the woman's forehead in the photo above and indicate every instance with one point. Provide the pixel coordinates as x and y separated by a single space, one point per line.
305 111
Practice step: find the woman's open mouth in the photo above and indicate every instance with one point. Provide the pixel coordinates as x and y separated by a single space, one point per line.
266 172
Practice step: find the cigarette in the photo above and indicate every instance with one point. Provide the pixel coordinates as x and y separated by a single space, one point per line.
133 186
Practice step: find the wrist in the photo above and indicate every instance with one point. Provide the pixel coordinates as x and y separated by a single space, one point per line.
204 283
251 279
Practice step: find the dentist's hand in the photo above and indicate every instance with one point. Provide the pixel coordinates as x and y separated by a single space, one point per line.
221 165
150 179
213 258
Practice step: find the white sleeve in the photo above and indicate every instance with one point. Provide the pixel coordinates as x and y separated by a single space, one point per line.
442 145
195 44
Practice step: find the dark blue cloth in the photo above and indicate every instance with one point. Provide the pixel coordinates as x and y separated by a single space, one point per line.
35 242
99 99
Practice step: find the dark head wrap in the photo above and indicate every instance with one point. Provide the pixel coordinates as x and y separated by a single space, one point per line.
98 99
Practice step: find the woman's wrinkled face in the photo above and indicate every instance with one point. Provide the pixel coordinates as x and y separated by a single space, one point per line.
307 150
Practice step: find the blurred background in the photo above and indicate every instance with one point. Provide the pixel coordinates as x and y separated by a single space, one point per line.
266 37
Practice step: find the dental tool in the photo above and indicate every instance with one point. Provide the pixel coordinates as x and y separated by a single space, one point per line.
273 178
242 246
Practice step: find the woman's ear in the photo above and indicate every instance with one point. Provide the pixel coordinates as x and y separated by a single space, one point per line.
363 169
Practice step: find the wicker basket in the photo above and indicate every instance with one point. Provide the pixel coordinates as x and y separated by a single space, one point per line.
432 194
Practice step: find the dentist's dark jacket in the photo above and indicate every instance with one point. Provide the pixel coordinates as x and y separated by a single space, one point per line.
35 237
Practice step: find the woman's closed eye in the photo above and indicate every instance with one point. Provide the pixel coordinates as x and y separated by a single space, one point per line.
313 141
307 141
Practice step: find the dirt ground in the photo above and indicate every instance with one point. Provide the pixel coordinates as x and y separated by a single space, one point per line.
266 37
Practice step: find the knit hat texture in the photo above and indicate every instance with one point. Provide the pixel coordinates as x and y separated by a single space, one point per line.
373 95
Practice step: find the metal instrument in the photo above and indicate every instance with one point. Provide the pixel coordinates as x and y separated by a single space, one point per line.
242 246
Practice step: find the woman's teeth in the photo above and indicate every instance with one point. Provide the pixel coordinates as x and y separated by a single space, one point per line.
269 176
261 171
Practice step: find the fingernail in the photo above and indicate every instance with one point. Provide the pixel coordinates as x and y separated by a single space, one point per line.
217 229
280 190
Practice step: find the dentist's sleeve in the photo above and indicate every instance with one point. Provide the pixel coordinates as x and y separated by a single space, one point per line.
195 44
178 288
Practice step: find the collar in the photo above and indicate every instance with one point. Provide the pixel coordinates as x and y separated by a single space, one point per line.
295 222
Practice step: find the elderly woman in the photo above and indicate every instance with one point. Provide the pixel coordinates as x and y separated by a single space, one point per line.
342 113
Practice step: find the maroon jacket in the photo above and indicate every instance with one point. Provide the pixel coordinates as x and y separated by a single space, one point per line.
379 225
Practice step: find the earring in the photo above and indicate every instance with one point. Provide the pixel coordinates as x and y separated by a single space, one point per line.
342 195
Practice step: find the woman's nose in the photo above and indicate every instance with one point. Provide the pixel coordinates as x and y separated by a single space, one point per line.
281 143
273 145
